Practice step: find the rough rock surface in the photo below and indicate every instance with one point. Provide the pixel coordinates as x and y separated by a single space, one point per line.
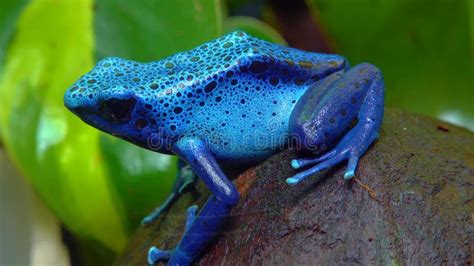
422 171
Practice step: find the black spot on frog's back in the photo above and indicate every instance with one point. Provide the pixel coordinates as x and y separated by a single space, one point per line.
258 67
274 80
210 86
177 110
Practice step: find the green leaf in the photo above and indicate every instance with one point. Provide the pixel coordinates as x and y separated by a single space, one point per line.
253 27
471 19
9 12
424 50
141 179
59 154
149 30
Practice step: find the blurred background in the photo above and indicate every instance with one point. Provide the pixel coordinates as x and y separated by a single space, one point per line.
70 195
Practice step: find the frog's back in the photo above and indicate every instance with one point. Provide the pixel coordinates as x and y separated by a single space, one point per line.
237 92
238 49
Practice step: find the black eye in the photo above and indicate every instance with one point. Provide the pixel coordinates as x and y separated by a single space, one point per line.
117 110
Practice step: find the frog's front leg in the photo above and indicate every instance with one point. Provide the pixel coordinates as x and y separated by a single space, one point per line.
327 111
184 178
201 228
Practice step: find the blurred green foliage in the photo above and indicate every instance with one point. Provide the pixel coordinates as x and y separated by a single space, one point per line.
253 27
100 187
149 30
9 12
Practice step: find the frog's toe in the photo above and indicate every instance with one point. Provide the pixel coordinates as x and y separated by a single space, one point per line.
350 148
152 216
298 163
348 175
155 255
332 161
147 220
191 215
351 167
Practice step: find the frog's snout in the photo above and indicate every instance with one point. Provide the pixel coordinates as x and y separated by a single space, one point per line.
73 103
114 108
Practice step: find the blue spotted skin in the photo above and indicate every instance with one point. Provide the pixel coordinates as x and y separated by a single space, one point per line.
234 99
221 92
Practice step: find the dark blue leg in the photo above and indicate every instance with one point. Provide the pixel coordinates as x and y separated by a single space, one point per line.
358 94
184 178
200 229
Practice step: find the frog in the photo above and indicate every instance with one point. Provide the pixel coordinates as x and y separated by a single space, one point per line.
235 99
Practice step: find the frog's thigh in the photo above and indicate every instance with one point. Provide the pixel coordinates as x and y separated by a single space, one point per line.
328 109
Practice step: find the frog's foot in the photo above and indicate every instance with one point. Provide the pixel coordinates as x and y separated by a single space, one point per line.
356 95
350 148
186 179
174 257
155 254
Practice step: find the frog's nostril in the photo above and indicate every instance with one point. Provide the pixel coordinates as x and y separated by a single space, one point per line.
117 110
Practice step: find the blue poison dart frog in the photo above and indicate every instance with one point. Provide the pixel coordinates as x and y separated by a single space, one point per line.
233 99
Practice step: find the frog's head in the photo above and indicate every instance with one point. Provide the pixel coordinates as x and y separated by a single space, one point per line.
112 97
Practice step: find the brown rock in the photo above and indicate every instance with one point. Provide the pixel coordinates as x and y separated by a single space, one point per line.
422 213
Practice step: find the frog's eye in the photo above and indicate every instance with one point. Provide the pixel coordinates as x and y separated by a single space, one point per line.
117 110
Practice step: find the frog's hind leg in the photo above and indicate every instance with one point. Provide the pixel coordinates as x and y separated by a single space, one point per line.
184 179
326 112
